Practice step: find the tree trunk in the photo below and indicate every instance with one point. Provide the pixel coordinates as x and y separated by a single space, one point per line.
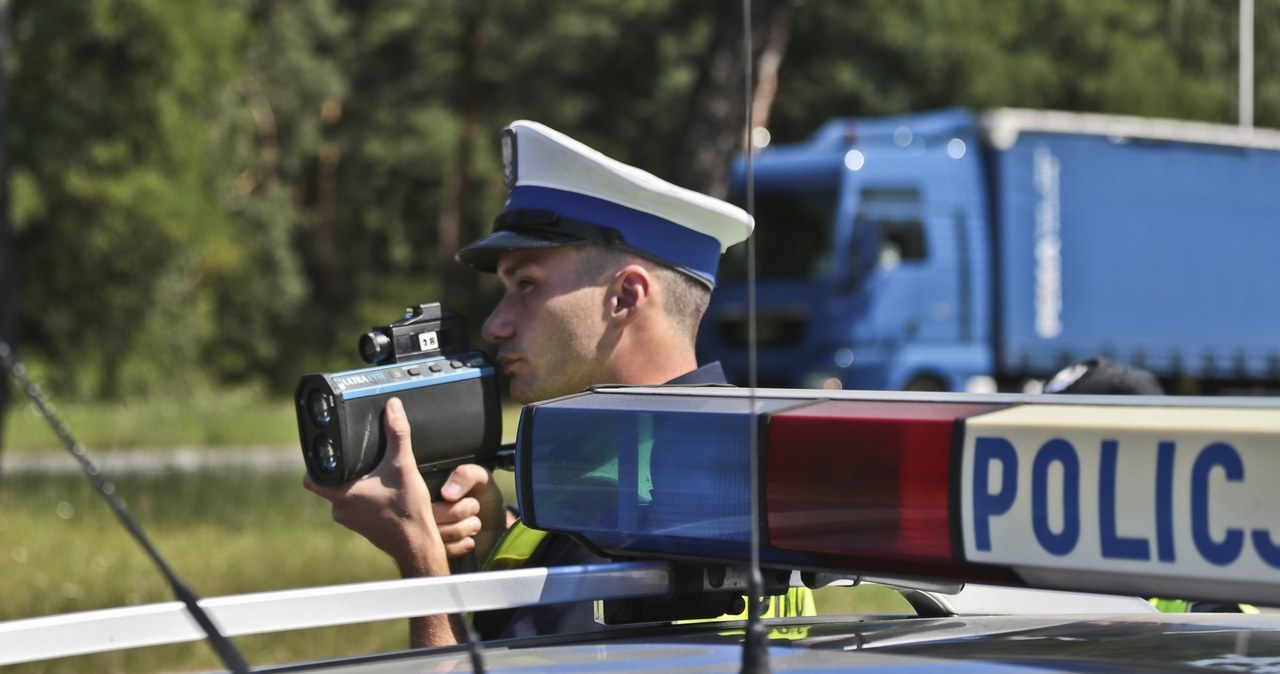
455 220
8 276
715 127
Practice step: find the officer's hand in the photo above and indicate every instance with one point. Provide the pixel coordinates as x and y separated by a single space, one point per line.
391 506
470 512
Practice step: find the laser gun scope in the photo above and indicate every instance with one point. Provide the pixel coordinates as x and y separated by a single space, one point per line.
449 395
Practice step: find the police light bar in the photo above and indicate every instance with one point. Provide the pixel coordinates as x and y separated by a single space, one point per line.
1139 496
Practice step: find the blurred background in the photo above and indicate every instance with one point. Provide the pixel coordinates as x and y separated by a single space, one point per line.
201 200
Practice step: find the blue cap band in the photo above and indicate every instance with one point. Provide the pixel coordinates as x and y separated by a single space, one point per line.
645 233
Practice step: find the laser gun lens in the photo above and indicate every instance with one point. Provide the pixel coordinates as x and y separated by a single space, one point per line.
320 406
322 452
375 348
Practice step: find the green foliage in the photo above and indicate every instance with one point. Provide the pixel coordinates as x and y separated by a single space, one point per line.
229 192
273 130
108 135
1174 59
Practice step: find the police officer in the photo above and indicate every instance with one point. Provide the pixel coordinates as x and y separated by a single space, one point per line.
607 271
1103 376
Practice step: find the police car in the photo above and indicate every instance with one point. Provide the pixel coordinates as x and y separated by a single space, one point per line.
1025 532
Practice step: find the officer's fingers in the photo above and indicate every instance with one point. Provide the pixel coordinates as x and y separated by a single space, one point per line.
458 535
464 480
327 492
461 531
474 482
459 548
451 513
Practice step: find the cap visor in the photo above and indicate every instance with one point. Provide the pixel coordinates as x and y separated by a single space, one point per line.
483 254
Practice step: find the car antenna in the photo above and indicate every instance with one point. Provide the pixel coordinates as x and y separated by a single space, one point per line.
755 652
225 649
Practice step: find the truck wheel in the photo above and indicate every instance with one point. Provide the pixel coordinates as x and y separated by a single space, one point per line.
925 382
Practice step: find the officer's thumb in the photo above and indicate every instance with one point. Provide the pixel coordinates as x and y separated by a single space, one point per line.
399 434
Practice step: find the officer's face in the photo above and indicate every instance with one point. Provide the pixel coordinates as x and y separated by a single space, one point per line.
550 329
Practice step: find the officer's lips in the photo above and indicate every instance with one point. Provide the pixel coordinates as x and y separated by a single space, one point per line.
508 362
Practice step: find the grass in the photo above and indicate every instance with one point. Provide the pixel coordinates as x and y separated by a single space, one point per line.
231 418
224 533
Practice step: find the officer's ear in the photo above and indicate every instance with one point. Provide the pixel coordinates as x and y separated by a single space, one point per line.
630 292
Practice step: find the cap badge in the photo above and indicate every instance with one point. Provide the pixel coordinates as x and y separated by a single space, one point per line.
509 163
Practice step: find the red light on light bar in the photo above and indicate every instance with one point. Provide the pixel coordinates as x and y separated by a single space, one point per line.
867 484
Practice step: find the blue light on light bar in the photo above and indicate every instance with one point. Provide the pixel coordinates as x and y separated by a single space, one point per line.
642 474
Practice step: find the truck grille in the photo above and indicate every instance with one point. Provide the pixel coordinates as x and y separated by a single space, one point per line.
772 329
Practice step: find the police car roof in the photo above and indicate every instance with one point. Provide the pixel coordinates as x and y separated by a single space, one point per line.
1009 645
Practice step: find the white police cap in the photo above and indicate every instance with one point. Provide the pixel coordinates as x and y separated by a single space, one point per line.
564 193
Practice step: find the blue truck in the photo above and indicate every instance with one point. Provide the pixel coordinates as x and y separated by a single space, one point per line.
984 250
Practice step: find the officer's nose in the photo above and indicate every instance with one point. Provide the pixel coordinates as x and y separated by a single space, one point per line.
498 327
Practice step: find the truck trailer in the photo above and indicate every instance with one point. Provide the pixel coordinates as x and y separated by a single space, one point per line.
985 250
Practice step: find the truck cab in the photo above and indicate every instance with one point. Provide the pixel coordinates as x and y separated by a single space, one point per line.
871 260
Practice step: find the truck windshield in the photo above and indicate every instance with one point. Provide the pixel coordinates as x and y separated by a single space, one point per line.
793 234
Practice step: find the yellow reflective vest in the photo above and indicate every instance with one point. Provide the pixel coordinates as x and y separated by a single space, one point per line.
1183 606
